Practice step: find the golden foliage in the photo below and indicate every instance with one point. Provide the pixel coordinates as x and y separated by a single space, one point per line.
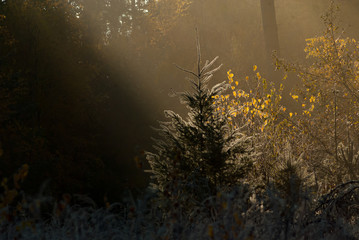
164 15
327 119
329 104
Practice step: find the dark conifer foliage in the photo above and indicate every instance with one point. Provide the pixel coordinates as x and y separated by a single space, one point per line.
197 154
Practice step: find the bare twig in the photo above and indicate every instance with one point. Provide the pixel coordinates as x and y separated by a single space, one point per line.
199 54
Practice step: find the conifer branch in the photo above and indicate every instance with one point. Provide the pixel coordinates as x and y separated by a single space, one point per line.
208 65
187 71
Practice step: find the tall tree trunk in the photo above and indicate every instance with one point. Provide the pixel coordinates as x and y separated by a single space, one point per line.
270 26
133 14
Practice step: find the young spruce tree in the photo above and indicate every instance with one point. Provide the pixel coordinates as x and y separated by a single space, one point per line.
197 155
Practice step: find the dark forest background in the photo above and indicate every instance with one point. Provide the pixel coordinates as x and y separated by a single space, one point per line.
82 81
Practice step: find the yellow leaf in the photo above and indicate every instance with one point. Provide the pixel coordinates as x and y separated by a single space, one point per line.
254 67
230 75
262 128
295 97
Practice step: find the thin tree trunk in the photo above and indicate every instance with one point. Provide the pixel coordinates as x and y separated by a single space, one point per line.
270 28
133 14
